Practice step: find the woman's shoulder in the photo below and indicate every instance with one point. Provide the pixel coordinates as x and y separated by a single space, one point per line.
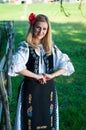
55 48
22 48
23 44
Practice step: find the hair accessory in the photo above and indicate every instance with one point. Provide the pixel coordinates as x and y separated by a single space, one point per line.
32 18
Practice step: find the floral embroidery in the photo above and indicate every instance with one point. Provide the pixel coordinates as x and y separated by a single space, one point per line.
30 98
29 111
29 124
51 96
51 121
51 109
36 58
41 127
48 63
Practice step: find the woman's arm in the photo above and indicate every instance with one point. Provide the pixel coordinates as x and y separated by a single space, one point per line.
19 59
55 74
58 72
62 60
30 74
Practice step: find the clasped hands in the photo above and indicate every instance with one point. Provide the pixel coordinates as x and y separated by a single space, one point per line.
43 78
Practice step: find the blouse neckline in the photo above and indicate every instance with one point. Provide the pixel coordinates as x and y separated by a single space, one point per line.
39 50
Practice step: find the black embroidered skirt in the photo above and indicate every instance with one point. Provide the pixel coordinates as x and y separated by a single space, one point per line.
38 106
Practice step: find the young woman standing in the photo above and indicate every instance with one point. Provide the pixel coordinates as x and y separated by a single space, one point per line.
39 61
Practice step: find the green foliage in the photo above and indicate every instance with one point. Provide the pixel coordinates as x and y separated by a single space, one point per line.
3 40
16 81
69 34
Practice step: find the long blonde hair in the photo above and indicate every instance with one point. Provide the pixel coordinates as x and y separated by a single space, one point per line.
47 40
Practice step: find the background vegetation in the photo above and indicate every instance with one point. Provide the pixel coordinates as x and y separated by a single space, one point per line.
69 34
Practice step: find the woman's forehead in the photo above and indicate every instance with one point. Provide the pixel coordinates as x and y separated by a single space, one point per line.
41 24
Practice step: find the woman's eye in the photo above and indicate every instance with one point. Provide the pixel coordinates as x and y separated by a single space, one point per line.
44 29
37 27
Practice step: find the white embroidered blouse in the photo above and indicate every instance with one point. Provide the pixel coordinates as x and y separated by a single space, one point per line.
20 58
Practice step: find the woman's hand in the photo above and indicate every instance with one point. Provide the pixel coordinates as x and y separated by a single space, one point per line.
30 74
41 79
44 78
48 76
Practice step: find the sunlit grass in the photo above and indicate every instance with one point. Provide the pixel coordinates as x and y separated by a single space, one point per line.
52 10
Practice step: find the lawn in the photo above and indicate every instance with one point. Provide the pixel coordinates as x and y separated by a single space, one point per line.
69 34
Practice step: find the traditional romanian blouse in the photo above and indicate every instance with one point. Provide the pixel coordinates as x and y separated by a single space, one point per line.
20 58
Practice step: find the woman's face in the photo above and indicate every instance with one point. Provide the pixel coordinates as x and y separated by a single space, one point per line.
40 30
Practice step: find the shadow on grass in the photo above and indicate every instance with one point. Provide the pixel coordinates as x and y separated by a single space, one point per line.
69 37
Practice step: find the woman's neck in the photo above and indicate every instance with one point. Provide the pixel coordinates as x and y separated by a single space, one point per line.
36 41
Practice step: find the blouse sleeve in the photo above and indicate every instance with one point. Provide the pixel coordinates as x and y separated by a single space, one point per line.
62 60
19 59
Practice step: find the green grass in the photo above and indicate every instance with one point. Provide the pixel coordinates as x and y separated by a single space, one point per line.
69 34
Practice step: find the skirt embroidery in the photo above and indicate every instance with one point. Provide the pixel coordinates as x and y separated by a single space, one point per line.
29 111
41 127
42 114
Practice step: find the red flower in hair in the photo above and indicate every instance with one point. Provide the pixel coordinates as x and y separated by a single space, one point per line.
32 18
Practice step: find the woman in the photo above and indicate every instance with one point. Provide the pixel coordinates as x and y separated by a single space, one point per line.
39 61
